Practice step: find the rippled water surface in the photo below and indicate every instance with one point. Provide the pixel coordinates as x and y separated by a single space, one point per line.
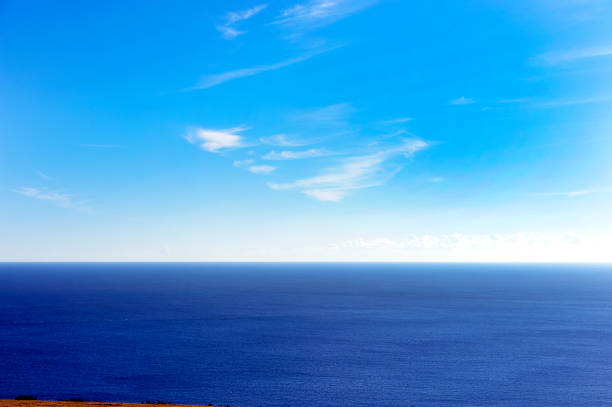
308 334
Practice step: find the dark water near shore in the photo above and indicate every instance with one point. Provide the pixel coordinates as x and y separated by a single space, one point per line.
308 334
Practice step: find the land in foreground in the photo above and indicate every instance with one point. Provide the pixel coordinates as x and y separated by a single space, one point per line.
53 403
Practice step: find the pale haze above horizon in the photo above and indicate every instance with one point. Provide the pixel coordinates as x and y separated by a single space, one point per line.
306 130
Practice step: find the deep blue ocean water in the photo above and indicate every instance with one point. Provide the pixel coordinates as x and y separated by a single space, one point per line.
308 334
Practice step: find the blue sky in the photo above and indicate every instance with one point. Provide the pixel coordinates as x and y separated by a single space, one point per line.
310 130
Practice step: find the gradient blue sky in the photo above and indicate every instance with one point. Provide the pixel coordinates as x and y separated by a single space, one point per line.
317 130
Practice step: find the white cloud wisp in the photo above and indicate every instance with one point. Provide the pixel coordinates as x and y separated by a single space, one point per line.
399 120
572 194
283 140
496 247
261 169
332 115
208 81
354 173
295 155
559 57
462 101
227 30
216 140
313 14
59 199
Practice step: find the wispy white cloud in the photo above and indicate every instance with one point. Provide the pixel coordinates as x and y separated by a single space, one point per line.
462 101
326 195
208 81
227 30
459 241
559 57
283 140
572 194
550 103
43 175
436 179
332 115
354 173
399 120
255 169
59 199
243 163
235 16
572 102
485 247
317 13
261 169
295 155
517 100
216 140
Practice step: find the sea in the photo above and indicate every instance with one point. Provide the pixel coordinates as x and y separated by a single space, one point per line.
310 334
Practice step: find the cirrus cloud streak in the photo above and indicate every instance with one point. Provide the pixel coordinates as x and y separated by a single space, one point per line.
216 140
357 172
